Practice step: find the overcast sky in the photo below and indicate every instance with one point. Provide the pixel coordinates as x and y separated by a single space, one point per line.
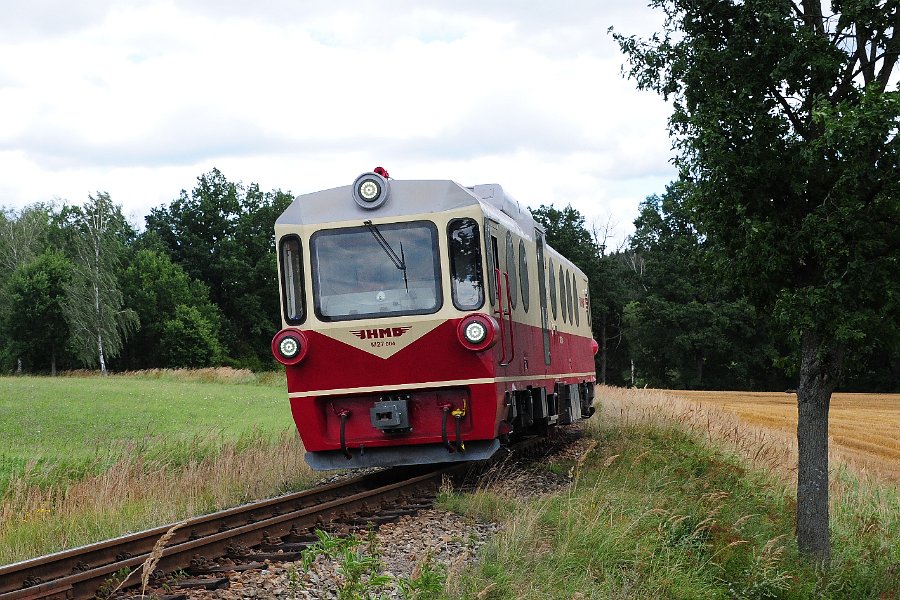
139 98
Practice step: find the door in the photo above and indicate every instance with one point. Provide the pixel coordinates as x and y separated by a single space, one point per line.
500 293
542 290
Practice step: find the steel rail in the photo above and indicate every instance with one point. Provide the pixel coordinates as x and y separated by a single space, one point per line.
64 574
79 573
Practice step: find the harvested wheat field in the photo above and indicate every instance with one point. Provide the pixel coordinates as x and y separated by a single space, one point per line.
864 428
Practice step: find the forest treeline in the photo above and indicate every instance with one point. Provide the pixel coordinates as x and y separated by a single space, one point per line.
667 318
81 287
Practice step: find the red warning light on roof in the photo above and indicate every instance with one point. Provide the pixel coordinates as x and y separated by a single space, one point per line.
382 172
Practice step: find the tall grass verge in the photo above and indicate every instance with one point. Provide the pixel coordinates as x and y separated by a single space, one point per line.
146 487
677 502
206 375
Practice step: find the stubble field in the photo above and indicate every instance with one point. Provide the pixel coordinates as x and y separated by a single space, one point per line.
864 428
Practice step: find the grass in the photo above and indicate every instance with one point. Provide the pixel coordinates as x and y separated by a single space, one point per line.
674 498
85 458
64 428
669 504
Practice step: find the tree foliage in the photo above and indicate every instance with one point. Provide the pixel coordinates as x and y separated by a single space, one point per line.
23 235
686 328
154 287
189 340
36 327
785 121
98 321
222 234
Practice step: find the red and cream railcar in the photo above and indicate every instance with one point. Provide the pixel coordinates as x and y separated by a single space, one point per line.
424 321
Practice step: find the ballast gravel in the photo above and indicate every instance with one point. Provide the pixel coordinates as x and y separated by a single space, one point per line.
442 537
448 540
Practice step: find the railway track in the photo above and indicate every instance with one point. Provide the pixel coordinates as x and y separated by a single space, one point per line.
275 529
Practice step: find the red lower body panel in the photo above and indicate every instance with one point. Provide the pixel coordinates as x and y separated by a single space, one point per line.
319 422
334 389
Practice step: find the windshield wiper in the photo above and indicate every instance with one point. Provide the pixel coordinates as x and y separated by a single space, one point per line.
399 261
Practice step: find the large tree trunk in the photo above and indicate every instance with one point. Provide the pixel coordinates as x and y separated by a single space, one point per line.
820 368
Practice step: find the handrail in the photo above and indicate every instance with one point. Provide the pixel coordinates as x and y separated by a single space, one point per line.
499 312
512 338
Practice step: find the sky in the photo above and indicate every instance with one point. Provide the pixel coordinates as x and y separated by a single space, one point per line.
140 98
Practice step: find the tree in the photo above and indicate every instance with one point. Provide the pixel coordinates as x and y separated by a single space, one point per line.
36 325
23 235
154 287
189 340
785 123
94 309
686 328
222 234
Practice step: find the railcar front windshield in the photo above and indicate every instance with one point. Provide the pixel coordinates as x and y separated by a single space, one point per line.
376 271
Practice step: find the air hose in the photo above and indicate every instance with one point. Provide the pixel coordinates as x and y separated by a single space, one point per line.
458 415
445 409
344 414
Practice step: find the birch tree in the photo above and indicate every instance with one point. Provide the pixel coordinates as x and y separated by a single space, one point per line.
94 309
22 236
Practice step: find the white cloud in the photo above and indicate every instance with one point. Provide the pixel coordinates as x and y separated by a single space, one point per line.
140 98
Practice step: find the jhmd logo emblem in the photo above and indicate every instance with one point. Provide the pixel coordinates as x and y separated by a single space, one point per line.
383 342
380 333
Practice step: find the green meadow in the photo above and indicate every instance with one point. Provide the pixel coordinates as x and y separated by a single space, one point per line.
66 426
85 458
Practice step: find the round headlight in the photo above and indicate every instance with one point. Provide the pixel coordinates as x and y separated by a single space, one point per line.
289 347
371 190
475 332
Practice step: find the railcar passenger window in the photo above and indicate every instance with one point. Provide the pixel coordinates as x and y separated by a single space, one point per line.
577 301
292 280
467 283
552 290
562 295
376 271
569 296
523 274
511 269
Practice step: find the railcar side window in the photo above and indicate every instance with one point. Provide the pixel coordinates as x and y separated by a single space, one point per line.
467 283
523 274
562 294
569 296
292 280
511 269
376 271
576 300
552 290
